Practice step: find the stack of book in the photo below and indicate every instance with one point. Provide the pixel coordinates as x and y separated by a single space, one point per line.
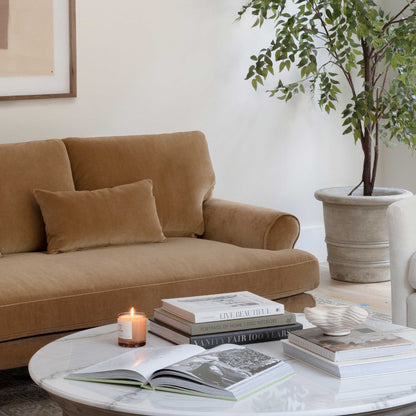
364 352
226 318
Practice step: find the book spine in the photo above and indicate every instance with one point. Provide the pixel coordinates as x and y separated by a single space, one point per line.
243 324
239 313
310 346
244 337
226 314
353 368
174 321
168 334
225 326
308 357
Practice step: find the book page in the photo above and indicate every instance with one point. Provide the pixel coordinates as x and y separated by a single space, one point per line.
144 361
219 301
221 367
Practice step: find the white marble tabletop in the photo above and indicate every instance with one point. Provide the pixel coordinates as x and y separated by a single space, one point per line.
309 392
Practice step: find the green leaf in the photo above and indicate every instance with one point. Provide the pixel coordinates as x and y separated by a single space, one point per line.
347 130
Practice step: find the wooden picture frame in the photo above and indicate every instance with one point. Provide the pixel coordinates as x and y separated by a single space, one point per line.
61 79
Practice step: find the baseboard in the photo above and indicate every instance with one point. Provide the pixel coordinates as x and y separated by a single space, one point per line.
312 239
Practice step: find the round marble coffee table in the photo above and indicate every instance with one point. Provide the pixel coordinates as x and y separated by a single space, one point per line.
309 392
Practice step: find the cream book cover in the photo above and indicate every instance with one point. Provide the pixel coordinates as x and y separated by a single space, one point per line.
222 306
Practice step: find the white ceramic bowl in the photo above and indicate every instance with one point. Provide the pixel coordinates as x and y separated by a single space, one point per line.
336 320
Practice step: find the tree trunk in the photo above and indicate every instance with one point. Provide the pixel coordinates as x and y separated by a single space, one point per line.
366 137
368 184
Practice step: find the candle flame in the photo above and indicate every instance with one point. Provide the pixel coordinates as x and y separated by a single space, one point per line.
132 311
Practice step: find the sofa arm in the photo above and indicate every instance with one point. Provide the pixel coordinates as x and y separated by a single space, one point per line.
401 220
249 226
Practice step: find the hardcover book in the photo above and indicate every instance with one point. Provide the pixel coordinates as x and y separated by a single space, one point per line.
222 306
353 368
250 336
363 342
202 328
228 372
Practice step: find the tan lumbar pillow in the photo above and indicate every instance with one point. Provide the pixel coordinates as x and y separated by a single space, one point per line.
125 214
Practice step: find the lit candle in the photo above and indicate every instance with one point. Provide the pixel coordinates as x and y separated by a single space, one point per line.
131 329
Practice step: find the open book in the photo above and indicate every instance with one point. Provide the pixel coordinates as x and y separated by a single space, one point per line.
228 371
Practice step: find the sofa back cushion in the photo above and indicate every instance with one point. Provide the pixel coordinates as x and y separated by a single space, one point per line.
24 167
178 165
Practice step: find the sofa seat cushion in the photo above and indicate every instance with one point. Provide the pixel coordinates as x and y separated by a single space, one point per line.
40 293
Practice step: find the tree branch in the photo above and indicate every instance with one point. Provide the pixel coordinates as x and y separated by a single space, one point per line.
383 85
355 188
334 54
393 19
379 55
377 78
404 19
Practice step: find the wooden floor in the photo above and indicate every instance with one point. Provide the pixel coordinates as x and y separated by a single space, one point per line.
376 295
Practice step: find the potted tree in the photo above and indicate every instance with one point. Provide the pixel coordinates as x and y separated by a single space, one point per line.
374 51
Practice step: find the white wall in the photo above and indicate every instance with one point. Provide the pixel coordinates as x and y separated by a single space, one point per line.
398 163
175 65
398 168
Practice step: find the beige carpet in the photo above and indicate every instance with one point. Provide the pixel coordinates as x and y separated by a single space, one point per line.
19 396
374 295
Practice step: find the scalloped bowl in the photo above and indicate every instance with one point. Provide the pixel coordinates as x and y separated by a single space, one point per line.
336 320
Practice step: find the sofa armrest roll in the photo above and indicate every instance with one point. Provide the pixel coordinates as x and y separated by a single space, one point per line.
249 226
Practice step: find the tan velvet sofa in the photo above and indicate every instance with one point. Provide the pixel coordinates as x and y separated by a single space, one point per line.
207 245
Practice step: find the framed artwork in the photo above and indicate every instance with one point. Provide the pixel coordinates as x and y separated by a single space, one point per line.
37 49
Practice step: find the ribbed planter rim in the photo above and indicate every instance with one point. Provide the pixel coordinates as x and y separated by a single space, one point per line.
381 196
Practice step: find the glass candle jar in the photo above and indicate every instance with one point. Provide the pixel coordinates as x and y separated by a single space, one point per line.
131 329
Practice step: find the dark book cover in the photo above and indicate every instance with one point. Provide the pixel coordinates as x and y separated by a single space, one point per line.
247 336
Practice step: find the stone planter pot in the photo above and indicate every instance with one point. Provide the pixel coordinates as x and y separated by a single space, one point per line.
356 232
